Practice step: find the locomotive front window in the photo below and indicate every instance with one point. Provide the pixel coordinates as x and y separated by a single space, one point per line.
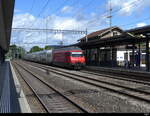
77 54
68 53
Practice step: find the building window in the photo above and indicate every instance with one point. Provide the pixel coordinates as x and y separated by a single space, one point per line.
115 33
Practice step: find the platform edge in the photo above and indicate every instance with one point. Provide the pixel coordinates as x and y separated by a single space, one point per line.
24 106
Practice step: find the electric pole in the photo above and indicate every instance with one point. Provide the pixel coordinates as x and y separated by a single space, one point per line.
62 37
111 33
110 16
46 31
86 35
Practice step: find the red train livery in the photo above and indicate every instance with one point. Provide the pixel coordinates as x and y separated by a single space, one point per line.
69 57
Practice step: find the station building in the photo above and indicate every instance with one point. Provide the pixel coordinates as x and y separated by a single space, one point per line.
102 55
114 47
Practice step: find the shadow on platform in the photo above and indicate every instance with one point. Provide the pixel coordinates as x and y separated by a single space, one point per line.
8 94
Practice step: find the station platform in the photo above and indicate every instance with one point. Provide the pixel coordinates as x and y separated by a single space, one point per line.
133 71
12 98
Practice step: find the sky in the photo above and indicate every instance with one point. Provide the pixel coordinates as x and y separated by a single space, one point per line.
73 15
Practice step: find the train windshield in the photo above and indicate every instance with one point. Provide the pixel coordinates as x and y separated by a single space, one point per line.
76 54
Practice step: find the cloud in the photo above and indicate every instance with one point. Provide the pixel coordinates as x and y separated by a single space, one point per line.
66 9
127 7
141 24
22 20
27 20
17 11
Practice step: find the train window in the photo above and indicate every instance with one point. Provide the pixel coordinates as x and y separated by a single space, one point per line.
77 54
68 53
115 33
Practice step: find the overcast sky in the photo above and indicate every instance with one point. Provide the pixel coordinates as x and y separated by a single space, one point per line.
74 14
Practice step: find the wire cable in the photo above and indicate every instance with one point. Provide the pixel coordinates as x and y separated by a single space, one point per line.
32 6
105 15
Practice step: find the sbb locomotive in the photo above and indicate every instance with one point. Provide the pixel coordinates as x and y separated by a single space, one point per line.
70 57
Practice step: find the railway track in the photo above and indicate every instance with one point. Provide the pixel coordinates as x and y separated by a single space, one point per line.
31 88
139 93
128 74
53 101
119 77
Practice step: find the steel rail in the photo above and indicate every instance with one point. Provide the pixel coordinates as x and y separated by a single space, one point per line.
114 77
40 100
57 91
120 77
66 74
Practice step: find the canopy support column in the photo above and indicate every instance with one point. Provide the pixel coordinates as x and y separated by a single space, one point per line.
147 55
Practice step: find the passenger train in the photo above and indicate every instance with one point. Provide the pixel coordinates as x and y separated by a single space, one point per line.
70 57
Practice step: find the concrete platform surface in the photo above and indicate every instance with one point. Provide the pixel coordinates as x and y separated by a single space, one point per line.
10 95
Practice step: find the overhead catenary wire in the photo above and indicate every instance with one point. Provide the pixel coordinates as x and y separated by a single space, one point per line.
105 14
82 8
74 3
32 6
132 4
147 18
59 7
43 8
30 10
56 11
41 11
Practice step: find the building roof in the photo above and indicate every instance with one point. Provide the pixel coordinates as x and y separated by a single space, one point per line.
140 30
68 48
124 39
100 32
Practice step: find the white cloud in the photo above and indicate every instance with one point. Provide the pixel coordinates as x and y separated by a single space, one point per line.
22 20
17 11
141 24
53 22
127 7
66 9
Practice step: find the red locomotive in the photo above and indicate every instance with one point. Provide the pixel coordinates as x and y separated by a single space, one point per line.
69 57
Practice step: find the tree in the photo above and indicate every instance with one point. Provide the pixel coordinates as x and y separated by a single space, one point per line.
15 52
35 49
13 47
12 52
48 47
21 51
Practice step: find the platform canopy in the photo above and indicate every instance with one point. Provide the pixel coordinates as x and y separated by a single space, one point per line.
140 31
132 36
6 16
